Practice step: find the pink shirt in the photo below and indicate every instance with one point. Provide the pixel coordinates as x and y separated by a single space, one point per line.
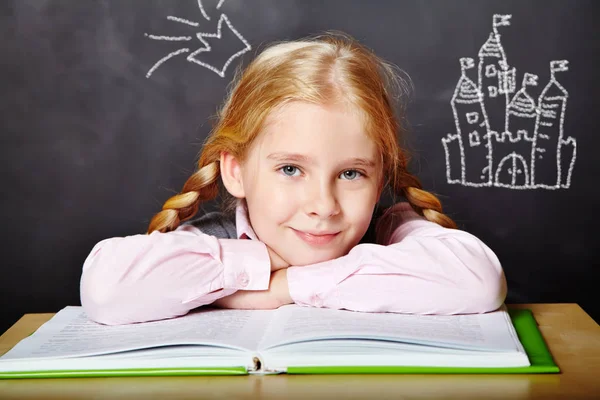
416 267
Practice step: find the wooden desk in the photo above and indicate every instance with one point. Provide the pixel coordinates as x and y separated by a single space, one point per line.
572 336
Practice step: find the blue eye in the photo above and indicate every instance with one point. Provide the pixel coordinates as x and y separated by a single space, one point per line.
351 174
289 170
293 171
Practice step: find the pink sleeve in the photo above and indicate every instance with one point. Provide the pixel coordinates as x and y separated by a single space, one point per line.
423 268
163 275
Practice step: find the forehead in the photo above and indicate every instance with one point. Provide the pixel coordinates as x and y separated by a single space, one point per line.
318 131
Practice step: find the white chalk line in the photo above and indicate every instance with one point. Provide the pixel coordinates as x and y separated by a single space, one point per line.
183 21
162 60
204 14
169 38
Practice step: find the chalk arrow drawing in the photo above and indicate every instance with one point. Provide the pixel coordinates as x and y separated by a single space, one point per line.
513 142
193 56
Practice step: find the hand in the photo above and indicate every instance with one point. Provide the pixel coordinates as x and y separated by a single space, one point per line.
276 296
277 262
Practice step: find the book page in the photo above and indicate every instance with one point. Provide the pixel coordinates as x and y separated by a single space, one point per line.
71 333
490 332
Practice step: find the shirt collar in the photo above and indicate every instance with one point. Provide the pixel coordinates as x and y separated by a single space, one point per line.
242 221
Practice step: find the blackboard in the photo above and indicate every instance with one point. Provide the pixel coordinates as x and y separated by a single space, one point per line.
97 134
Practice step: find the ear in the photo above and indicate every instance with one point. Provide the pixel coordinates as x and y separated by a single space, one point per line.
231 174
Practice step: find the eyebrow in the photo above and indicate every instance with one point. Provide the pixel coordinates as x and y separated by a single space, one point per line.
365 162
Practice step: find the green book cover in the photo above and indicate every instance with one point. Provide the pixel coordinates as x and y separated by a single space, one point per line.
525 325
539 357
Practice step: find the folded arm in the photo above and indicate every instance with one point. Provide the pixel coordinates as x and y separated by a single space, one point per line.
164 275
420 267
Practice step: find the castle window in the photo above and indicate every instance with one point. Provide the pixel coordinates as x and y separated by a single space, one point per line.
493 91
474 139
472 117
506 81
490 70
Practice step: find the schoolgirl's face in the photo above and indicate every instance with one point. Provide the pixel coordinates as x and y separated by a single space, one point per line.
311 181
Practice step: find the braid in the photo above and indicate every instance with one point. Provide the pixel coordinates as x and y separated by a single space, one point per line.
423 202
429 205
201 186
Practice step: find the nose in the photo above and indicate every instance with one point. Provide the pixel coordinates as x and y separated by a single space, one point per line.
322 201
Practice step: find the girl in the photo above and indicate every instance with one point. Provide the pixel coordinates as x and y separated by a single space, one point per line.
305 144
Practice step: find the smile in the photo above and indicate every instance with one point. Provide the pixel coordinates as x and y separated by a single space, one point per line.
314 239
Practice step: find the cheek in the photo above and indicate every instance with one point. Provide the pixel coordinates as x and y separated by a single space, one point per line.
362 218
276 203
359 210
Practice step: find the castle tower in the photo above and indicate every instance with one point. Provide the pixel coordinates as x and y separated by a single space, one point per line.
472 128
518 139
495 78
548 135
522 110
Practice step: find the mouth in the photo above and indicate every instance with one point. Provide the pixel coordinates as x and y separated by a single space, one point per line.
316 239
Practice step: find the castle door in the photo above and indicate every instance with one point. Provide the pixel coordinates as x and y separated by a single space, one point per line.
512 171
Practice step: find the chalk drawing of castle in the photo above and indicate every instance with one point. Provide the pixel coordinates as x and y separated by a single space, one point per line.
504 137
195 56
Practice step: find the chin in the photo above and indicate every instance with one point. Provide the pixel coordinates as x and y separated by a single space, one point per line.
315 259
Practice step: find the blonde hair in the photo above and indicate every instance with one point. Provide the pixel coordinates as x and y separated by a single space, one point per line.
320 70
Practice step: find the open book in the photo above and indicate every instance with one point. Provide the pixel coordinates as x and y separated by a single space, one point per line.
291 339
